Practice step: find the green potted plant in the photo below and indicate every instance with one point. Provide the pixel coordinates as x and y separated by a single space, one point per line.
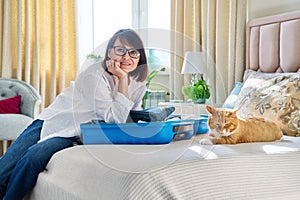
94 57
198 92
148 81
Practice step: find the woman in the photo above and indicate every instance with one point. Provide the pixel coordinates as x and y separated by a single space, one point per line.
106 91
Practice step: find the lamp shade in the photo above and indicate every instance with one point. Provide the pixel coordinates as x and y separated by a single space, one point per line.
193 63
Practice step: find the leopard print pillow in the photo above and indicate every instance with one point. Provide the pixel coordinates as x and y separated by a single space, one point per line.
276 98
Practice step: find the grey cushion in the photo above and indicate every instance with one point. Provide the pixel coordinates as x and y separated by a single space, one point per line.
12 125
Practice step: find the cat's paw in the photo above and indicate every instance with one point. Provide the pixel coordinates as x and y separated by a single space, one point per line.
206 141
213 134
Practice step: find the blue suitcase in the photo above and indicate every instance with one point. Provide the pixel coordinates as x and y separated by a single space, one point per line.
137 133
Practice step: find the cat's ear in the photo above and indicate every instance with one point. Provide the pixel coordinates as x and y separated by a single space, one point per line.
210 109
234 113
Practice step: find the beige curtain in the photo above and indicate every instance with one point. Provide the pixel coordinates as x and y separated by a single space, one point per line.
38 44
217 28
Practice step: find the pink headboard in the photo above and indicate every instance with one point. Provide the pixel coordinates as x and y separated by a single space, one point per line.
273 43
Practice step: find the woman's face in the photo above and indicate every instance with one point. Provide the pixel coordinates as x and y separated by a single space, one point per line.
128 61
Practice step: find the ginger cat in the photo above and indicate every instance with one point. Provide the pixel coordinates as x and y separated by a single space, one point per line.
227 128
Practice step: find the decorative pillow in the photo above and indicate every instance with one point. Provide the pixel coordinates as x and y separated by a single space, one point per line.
10 105
274 97
232 98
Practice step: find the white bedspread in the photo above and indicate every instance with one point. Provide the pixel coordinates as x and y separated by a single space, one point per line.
179 170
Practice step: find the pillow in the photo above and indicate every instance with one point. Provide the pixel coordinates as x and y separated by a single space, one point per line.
273 97
10 105
232 98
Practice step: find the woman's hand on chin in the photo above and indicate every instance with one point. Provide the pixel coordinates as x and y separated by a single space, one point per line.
114 68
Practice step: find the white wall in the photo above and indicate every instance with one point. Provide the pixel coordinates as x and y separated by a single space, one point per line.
262 8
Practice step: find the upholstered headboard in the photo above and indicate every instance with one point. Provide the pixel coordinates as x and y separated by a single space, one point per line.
273 43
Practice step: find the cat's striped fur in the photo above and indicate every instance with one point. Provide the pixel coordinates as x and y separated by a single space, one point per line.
227 128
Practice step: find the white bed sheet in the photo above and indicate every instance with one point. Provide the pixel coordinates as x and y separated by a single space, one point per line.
179 170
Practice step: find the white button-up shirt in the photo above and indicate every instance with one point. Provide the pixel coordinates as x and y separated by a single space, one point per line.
93 95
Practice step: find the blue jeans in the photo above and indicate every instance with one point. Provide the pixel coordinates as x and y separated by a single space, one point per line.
25 159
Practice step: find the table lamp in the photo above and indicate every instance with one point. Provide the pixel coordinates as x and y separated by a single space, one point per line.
193 64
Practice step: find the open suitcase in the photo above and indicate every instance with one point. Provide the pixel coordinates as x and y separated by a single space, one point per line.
137 133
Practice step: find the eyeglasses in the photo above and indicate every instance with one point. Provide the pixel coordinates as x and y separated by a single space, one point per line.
121 51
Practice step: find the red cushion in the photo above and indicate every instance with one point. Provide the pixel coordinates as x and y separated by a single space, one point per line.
10 105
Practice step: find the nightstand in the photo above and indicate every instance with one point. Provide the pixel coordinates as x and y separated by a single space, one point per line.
186 108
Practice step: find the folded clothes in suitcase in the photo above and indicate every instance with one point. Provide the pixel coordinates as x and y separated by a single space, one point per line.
152 114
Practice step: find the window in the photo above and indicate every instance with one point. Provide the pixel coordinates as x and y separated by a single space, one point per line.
98 20
109 17
159 32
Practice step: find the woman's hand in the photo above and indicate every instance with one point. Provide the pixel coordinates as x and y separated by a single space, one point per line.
121 76
114 68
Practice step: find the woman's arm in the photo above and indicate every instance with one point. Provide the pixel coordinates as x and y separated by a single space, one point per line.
122 84
121 77
97 92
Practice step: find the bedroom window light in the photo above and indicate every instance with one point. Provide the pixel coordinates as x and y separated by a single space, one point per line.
109 17
204 153
159 24
97 21
153 18
271 149
96 24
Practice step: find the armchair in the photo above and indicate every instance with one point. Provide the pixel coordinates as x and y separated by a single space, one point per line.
11 125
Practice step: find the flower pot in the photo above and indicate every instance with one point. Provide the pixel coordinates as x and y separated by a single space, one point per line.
199 101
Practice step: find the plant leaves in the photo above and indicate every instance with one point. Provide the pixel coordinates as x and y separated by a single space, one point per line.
188 91
199 90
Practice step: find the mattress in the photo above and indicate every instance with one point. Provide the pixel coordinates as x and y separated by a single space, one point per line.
179 170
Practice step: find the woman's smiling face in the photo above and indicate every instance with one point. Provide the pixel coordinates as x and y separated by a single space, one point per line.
127 63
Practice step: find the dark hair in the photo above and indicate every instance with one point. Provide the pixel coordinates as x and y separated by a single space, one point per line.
130 37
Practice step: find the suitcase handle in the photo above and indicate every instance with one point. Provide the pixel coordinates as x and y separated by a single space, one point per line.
183 131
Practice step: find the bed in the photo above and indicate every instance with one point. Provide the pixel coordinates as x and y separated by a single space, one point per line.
185 169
